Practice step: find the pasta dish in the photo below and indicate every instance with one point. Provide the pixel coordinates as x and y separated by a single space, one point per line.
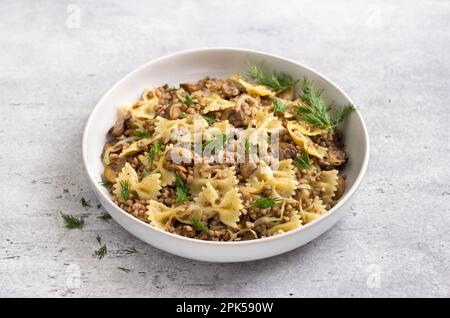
241 158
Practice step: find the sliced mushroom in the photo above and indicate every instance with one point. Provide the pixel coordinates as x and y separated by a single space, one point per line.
336 156
246 169
235 117
287 151
340 187
119 126
248 235
174 111
230 89
112 170
191 87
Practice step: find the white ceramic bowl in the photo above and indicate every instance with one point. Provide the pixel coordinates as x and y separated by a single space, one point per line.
192 66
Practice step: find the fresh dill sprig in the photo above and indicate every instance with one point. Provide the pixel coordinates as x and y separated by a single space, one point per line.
131 250
215 144
101 252
316 112
153 153
279 106
99 239
265 203
124 189
247 146
276 81
141 133
343 113
210 119
72 222
199 225
182 189
145 173
188 100
105 217
85 203
105 183
303 161
123 269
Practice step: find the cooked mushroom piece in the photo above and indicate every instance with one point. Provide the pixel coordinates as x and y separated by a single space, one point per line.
287 151
112 170
246 169
249 235
174 111
230 89
119 126
234 117
340 187
191 87
336 156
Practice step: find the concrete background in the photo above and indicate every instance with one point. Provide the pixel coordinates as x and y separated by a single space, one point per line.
391 57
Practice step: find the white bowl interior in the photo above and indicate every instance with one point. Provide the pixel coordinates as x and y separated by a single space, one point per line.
221 63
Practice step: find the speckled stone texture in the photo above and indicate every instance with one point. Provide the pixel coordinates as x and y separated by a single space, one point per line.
391 57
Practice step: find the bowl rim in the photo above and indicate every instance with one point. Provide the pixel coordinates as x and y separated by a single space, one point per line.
341 201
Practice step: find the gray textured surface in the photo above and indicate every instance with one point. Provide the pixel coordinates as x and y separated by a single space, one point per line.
393 59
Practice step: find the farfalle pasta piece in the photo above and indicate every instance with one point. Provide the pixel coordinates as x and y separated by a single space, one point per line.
305 142
165 127
115 148
137 146
167 176
144 108
313 211
282 179
214 103
161 215
228 206
328 181
148 188
293 223
307 129
223 181
255 89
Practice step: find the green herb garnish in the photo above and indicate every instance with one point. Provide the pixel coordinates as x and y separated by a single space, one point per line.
85 203
141 134
105 217
124 189
123 269
188 100
275 81
247 146
303 161
199 225
146 173
316 112
153 153
265 203
105 183
99 239
279 106
215 144
182 189
130 250
72 222
101 252
210 119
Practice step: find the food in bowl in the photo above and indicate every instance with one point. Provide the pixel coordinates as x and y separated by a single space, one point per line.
230 159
